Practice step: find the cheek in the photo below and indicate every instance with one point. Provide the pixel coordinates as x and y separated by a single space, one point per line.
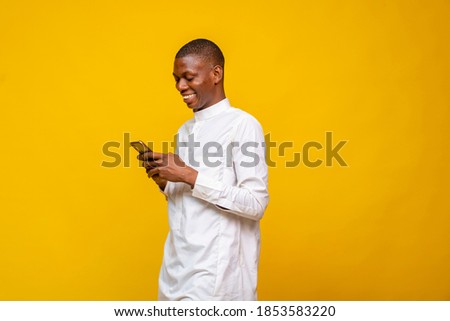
205 87
200 88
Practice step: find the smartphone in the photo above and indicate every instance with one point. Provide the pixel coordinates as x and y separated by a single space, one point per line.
140 147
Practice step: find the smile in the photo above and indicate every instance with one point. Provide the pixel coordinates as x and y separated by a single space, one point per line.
188 96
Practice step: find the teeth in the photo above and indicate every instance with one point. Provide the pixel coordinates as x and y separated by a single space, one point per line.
188 96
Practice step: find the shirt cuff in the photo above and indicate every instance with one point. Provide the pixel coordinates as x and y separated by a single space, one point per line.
165 190
207 189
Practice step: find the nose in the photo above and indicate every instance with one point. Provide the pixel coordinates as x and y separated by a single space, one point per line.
181 85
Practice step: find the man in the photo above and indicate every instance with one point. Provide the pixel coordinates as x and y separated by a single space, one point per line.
216 187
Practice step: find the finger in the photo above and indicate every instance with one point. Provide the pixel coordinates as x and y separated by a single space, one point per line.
156 163
152 172
157 179
150 156
148 165
145 156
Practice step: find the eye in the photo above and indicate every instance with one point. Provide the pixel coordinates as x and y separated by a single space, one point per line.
190 78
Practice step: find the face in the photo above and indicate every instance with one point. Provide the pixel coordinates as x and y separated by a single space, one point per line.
198 82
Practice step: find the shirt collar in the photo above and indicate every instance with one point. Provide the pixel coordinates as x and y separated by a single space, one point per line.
212 111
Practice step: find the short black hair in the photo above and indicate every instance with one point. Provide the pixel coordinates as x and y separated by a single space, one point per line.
203 48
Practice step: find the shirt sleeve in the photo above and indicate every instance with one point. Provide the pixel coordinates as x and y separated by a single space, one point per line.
249 198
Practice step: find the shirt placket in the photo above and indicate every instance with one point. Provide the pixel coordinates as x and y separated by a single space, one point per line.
196 139
190 155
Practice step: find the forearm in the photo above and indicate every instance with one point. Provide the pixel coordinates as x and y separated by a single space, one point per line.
249 199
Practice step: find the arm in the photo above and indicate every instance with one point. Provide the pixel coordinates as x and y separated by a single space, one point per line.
249 197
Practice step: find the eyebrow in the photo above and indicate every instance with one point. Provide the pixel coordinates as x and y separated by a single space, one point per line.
184 73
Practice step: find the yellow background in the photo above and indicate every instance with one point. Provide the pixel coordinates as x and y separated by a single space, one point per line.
77 74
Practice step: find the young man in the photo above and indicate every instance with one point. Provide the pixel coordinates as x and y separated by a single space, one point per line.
216 187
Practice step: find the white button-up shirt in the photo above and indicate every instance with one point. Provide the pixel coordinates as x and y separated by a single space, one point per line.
212 250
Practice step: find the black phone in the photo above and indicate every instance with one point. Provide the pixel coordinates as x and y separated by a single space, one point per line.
140 147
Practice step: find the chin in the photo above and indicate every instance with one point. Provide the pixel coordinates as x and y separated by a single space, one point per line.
194 107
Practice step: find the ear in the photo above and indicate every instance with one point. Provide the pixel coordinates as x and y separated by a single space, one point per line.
217 74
